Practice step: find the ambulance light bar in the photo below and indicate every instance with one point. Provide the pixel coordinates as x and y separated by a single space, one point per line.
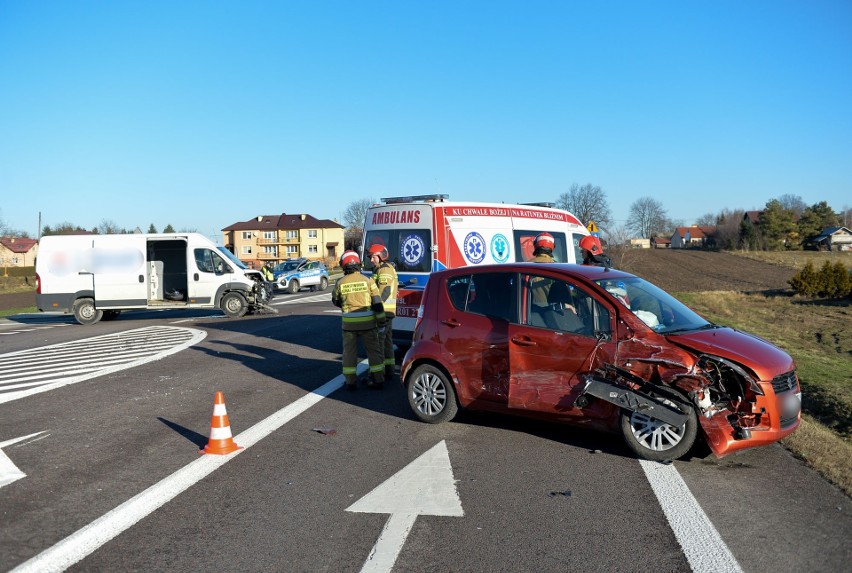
542 204
413 198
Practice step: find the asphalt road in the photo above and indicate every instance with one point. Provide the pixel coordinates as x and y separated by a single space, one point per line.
327 478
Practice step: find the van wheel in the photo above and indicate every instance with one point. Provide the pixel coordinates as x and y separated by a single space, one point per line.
234 305
293 287
85 311
111 314
431 395
323 284
657 441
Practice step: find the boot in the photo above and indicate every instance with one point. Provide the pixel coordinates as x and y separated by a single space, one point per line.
351 383
378 381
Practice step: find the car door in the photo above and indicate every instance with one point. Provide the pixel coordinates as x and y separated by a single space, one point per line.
311 274
474 329
563 333
208 271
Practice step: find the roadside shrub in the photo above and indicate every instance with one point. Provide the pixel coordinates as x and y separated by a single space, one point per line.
831 281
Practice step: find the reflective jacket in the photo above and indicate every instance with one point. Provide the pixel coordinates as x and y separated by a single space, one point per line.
358 298
388 284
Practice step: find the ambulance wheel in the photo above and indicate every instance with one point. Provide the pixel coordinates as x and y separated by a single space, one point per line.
323 284
85 311
234 305
293 287
111 314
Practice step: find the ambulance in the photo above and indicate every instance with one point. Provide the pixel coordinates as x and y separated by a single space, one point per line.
428 233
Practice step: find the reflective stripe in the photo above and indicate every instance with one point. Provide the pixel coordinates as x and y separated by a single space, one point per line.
350 370
220 433
377 368
219 410
389 362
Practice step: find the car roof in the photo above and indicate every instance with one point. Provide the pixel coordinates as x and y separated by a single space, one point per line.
588 272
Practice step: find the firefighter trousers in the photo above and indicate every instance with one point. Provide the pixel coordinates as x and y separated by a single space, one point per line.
375 357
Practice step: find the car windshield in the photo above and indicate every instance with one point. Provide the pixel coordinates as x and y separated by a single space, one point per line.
655 307
231 257
286 266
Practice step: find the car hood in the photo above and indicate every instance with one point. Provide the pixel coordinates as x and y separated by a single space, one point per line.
761 357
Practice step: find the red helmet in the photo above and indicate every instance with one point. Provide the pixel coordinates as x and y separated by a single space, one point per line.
349 258
544 241
379 250
591 244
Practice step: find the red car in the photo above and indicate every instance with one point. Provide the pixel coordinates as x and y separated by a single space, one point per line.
599 348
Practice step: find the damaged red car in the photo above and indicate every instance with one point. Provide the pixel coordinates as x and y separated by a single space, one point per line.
598 348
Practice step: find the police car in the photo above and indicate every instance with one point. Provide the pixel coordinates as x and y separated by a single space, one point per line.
293 274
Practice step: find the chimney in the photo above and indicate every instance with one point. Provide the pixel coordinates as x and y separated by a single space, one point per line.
259 218
303 216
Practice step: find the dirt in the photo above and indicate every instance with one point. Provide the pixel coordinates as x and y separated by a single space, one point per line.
673 270
681 270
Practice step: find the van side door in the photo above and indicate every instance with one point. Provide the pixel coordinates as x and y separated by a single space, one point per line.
118 272
208 271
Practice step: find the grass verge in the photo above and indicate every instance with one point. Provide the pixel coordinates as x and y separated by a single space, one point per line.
817 335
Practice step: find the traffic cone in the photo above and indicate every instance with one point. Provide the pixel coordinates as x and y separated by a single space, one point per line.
220 441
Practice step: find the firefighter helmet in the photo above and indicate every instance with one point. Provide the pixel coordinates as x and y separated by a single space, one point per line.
591 244
380 251
544 241
349 258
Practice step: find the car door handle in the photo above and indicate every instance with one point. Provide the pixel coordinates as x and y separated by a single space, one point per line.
452 322
524 341
195 276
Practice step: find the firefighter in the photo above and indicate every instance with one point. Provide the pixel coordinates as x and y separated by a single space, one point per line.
363 315
593 252
543 248
388 284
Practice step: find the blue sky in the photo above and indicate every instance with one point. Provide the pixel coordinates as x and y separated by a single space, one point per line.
202 114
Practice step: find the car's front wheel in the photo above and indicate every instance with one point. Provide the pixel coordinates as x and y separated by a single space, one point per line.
654 440
431 395
323 284
293 287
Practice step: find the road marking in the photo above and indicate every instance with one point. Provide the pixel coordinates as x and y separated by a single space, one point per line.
424 487
88 539
699 539
312 298
9 472
29 372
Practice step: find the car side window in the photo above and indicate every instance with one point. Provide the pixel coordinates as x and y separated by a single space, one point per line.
560 305
458 289
204 260
493 295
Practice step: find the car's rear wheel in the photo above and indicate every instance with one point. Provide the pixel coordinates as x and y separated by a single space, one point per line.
234 305
431 395
654 440
323 284
293 287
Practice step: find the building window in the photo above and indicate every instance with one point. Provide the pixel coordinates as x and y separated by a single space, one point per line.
246 235
269 234
312 234
292 249
313 249
246 250
292 234
270 250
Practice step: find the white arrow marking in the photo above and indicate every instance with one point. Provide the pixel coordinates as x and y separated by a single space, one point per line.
424 487
9 472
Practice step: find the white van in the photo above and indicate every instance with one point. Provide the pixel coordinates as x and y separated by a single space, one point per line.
98 276
429 233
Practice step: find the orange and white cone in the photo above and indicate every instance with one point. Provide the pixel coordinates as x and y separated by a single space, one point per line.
221 442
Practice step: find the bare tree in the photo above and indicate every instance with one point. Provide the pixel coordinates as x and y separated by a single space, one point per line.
107 226
707 220
728 228
647 217
587 203
353 219
792 203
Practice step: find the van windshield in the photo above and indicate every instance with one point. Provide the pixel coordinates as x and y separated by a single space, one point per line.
410 250
231 257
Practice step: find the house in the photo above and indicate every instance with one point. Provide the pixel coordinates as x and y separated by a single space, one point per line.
752 217
640 243
832 239
274 238
693 236
661 242
18 251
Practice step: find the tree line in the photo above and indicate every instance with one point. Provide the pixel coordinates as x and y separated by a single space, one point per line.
105 227
786 222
